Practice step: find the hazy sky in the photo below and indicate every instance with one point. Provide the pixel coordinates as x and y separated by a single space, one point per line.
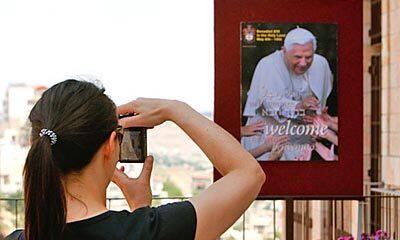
151 48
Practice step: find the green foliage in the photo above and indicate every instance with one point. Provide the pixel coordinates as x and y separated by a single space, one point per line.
171 189
10 204
14 205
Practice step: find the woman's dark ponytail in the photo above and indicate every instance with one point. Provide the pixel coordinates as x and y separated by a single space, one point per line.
82 117
45 207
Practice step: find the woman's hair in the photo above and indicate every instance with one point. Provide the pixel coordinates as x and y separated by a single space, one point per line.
82 117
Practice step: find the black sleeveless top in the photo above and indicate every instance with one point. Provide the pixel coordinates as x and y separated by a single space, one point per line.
171 221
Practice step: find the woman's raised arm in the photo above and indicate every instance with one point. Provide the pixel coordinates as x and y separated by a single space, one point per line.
220 205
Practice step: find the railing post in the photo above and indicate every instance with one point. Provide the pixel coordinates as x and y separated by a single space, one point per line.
244 226
396 218
302 221
334 219
16 213
289 219
359 220
274 218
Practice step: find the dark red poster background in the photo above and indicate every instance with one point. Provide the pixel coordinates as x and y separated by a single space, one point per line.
313 180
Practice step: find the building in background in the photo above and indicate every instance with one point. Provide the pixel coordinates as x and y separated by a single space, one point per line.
18 102
380 210
14 134
14 147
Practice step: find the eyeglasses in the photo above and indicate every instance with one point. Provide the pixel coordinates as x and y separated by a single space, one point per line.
120 135
119 131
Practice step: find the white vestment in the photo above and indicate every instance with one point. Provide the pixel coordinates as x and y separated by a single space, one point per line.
275 88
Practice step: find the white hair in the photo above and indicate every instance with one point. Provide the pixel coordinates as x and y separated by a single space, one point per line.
299 36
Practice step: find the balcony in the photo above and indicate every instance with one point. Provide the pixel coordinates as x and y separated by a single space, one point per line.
266 219
249 226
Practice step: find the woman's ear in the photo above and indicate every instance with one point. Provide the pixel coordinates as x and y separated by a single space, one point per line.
109 146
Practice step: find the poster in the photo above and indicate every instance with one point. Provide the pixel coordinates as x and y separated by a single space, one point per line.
289 103
338 29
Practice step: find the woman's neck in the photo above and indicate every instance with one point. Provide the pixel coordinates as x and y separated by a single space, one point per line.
85 196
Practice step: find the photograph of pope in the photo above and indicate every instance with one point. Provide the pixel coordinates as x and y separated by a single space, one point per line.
286 108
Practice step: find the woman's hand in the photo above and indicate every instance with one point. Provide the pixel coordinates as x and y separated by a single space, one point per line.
324 119
278 144
276 153
304 155
327 134
137 191
272 141
149 112
269 143
256 128
326 153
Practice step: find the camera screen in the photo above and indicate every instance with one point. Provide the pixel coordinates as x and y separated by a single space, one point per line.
133 145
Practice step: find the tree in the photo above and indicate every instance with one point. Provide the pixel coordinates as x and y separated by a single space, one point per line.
171 189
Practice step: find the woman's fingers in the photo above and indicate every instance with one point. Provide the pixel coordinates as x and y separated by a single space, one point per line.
256 127
280 140
260 124
277 152
145 175
119 177
332 150
260 121
129 107
258 133
259 128
149 112
134 121
252 129
283 141
323 151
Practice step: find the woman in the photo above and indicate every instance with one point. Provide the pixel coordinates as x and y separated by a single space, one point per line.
73 157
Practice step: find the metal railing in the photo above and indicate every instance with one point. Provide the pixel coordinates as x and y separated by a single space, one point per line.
18 210
338 225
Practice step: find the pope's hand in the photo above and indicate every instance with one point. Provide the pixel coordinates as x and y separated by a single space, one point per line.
308 103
